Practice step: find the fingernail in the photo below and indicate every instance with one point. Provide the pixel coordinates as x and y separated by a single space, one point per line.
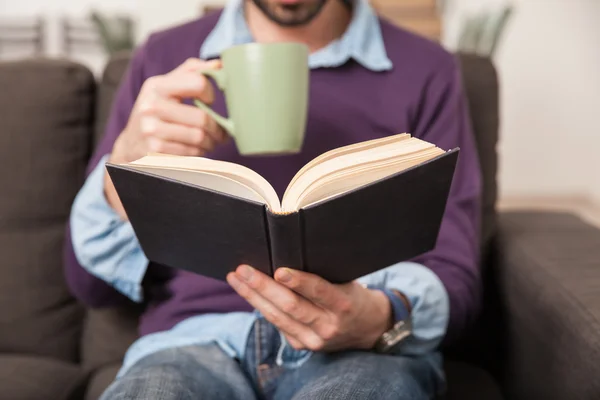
245 272
284 275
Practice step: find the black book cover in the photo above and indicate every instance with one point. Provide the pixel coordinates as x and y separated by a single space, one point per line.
183 226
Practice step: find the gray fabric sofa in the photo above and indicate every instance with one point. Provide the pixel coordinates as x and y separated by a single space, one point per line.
537 338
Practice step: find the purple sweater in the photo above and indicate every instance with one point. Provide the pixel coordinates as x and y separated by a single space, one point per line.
422 95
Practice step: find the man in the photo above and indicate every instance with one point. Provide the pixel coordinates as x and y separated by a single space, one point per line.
295 336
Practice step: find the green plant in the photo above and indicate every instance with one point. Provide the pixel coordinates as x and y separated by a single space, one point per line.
481 33
116 32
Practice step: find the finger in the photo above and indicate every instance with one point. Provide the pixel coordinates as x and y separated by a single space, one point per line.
183 114
214 129
208 143
306 337
315 289
157 145
283 298
295 343
268 309
195 64
184 84
169 132
173 111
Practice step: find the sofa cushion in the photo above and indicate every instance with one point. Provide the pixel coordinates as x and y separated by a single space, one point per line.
107 334
466 382
46 112
39 378
100 380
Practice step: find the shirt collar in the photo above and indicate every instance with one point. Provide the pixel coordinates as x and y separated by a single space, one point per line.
362 41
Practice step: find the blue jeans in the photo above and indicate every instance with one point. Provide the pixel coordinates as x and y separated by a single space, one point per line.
206 372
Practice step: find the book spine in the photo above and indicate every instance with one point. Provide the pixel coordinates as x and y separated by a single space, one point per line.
285 236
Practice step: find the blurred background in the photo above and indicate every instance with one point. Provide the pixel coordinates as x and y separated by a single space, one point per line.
547 53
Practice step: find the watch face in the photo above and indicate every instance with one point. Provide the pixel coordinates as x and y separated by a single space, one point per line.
394 336
399 332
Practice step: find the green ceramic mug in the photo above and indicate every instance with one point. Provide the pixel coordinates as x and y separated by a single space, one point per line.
266 93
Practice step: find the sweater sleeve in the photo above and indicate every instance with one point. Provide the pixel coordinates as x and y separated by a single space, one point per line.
443 119
88 288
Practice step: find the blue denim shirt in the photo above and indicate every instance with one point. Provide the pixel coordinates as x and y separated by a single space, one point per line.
114 254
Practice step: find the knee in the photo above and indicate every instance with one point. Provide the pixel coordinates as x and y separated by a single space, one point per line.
164 372
373 377
148 382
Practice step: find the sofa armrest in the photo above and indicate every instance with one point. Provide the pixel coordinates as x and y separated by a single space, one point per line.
549 277
31 377
100 380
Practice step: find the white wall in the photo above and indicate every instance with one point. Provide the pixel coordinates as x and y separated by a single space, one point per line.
150 15
549 66
551 72
158 14
53 10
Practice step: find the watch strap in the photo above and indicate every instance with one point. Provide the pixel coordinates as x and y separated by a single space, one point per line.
401 324
400 311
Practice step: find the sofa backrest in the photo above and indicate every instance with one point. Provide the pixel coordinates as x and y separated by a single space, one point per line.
46 111
481 86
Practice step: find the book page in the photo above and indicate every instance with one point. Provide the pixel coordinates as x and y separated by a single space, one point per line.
353 148
353 169
206 180
347 180
235 179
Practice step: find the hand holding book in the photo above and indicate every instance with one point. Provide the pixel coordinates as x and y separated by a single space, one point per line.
312 313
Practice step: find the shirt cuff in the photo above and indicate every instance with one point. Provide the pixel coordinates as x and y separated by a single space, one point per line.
428 298
105 245
399 309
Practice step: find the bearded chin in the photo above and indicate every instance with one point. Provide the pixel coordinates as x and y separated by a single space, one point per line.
303 17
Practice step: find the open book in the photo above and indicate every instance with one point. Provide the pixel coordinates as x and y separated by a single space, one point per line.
333 173
346 213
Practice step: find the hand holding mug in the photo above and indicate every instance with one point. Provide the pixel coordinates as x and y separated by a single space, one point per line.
161 123
266 92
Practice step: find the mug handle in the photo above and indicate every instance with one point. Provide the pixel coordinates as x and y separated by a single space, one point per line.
219 76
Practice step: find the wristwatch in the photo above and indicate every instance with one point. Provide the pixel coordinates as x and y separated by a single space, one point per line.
402 328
